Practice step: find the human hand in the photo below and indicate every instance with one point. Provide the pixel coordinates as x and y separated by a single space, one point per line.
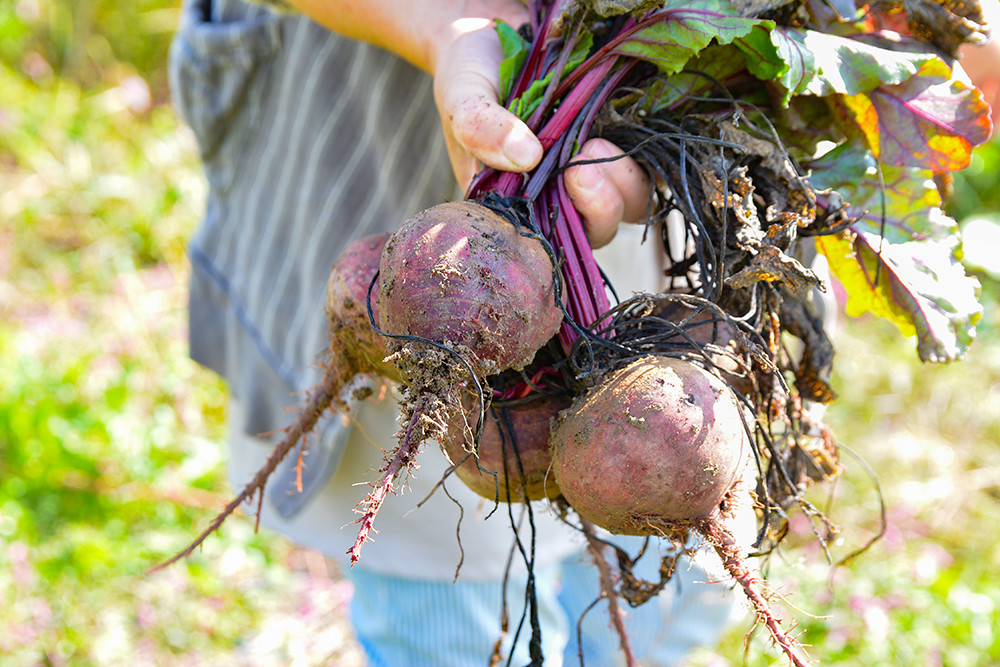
607 193
455 41
479 130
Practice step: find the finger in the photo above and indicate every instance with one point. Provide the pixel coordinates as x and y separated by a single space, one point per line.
484 129
607 193
474 122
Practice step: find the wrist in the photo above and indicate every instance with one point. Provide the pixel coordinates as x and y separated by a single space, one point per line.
457 20
417 31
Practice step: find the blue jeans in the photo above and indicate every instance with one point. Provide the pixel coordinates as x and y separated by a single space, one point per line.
402 622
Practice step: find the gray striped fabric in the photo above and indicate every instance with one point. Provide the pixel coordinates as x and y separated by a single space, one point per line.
309 141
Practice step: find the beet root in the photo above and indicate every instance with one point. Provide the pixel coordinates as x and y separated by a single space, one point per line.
652 446
523 442
719 531
461 275
355 349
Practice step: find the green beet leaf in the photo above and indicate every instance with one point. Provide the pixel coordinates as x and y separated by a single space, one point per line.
799 60
515 52
825 64
671 37
715 63
525 104
901 204
898 260
763 58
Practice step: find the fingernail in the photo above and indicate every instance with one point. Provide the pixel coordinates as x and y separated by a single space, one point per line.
521 148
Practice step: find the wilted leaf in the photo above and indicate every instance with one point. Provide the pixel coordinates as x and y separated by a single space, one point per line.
947 23
800 318
773 266
917 285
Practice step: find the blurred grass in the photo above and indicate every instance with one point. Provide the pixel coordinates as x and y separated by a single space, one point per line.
110 438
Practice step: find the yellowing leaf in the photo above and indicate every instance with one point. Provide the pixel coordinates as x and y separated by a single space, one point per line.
931 120
955 152
918 285
857 276
863 113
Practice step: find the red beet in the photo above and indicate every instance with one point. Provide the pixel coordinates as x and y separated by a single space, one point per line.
459 274
531 423
354 345
700 327
659 447
658 441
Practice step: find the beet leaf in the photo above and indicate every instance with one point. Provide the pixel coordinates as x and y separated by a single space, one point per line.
930 120
670 38
918 285
899 260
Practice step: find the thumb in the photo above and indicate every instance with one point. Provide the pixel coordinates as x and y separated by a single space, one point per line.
476 127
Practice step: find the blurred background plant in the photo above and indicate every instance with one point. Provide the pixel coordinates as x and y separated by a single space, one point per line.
111 454
110 438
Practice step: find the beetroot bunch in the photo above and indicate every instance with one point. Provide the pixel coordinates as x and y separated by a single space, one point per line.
666 414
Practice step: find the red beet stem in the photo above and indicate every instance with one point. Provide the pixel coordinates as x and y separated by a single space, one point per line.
577 98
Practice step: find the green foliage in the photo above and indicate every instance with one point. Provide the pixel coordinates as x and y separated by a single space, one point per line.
88 42
525 104
976 188
685 30
515 50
